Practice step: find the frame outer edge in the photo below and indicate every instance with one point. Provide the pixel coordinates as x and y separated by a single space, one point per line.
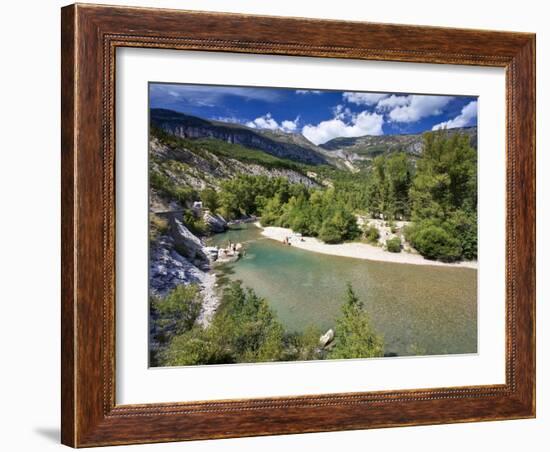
86 420
526 63
68 230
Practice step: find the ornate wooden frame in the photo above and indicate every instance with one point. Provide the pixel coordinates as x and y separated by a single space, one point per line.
90 35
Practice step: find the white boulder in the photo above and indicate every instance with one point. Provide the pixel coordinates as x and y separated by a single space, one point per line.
326 338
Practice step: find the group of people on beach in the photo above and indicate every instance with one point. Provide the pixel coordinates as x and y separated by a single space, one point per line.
286 240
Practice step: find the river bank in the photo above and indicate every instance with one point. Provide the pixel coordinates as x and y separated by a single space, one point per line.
354 250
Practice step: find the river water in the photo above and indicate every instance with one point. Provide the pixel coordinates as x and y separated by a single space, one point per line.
417 309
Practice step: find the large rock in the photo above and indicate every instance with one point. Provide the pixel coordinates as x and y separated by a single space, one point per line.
186 243
215 222
168 269
326 338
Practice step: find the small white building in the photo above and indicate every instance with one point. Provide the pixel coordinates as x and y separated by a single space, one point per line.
197 205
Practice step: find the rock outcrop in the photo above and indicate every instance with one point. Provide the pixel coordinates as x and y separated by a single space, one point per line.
372 145
203 168
216 223
187 126
168 268
187 244
181 258
326 338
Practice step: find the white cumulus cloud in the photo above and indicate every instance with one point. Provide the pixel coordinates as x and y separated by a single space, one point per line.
230 119
308 91
341 112
268 122
468 113
389 103
289 126
415 107
364 123
363 98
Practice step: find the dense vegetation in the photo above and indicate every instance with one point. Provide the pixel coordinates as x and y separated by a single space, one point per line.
173 315
314 212
246 329
439 195
168 189
444 199
388 187
436 191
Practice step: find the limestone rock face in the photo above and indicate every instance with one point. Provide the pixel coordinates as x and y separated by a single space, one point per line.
215 222
186 243
168 269
186 126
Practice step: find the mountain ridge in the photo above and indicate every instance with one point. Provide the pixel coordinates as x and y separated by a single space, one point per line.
341 152
188 126
373 145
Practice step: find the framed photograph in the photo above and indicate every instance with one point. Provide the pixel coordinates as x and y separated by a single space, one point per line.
281 225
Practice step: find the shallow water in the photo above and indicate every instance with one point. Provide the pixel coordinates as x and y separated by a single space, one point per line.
417 309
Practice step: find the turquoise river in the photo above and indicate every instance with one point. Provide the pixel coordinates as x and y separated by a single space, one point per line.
418 309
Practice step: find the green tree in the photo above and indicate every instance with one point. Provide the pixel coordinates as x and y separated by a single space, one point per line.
195 223
329 232
340 226
444 198
388 186
399 171
271 212
354 336
446 178
209 198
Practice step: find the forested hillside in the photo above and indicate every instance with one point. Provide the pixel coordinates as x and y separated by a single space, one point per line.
433 185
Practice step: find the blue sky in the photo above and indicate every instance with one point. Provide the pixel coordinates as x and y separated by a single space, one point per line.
319 115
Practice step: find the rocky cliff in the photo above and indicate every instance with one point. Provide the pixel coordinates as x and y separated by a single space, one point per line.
180 258
189 164
371 146
186 126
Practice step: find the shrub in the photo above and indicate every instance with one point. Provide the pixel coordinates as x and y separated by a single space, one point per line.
393 245
195 347
245 329
434 242
169 190
371 234
175 313
307 344
195 224
157 226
